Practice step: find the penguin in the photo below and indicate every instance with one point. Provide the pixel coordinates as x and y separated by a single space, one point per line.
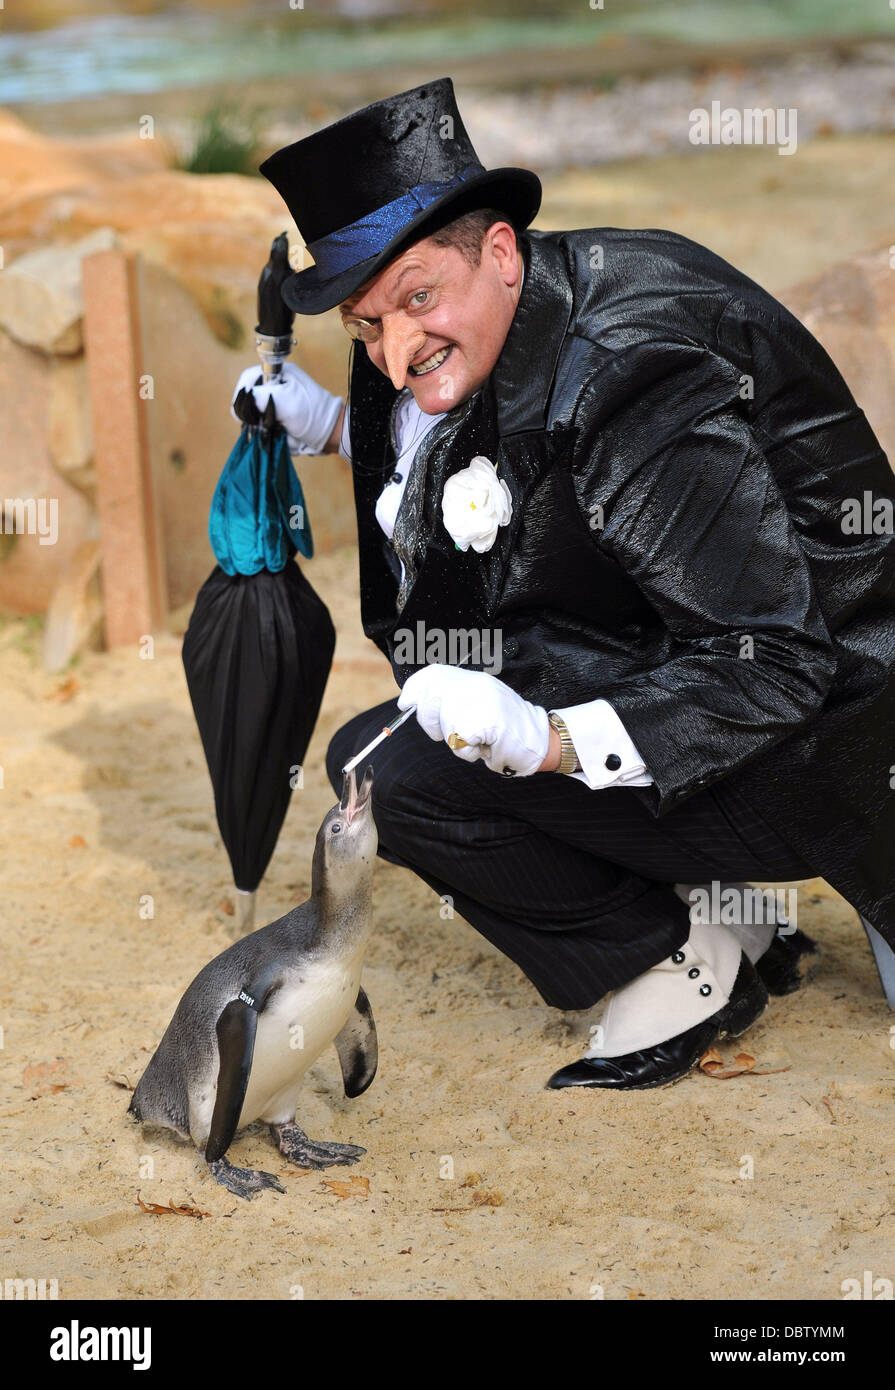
259 1015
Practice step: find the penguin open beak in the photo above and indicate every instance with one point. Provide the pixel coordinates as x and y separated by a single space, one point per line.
356 799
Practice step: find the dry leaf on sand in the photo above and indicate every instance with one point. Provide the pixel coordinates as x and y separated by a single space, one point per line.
43 1078
354 1187
65 691
172 1209
124 1085
487 1199
479 1199
711 1063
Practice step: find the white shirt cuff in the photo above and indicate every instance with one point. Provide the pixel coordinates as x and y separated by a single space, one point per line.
600 736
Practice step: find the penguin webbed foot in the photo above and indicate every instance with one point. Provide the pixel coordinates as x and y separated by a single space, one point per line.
295 1145
243 1182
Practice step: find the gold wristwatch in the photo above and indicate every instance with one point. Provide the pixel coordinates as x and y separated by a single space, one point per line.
568 761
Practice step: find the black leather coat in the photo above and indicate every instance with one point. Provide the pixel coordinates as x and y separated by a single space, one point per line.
679 449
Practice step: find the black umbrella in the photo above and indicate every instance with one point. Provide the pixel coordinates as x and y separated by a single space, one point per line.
259 646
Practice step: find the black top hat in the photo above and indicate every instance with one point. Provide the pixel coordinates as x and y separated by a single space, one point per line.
362 189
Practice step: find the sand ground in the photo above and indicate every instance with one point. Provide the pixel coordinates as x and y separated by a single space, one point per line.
106 799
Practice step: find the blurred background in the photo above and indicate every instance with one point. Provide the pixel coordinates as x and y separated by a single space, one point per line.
134 131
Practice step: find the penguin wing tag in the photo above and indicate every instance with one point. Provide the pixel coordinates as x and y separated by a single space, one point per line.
358 1048
236 1029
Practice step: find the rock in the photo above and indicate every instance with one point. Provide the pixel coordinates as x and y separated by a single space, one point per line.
203 240
42 180
850 309
29 570
172 197
40 294
32 165
75 614
117 155
71 433
212 231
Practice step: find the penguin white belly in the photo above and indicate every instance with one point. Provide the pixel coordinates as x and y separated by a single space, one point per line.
309 1009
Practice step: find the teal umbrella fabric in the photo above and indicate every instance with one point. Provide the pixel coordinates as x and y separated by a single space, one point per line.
258 515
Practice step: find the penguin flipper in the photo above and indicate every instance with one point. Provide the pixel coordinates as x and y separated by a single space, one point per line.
236 1029
358 1048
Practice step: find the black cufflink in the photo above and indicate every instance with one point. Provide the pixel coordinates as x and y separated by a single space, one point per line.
613 762
509 772
396 477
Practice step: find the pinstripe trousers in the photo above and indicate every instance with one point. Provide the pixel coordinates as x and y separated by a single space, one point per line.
574 885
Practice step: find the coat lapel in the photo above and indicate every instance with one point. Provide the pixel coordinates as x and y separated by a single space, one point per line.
507 422
372 396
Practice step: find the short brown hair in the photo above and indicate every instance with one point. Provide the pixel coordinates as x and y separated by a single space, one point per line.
467 232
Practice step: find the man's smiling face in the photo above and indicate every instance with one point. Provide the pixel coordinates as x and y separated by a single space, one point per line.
443 321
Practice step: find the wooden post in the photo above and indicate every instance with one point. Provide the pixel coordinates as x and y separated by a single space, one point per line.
134 587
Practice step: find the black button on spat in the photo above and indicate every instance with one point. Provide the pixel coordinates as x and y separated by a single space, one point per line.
613 762
678 957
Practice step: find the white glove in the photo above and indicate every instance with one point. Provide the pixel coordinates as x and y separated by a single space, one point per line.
307 412
510 734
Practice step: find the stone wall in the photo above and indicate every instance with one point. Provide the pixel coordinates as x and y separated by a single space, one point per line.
201 242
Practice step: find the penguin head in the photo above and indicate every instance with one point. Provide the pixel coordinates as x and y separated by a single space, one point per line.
347 839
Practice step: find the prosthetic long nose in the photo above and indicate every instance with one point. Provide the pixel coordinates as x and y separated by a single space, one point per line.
401 341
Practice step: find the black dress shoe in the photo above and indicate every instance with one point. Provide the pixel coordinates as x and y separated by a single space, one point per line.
787 964
669 1061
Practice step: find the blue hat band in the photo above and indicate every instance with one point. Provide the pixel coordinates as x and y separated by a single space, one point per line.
368 236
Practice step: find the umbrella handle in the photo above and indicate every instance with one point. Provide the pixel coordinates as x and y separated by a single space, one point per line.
245 911
273 349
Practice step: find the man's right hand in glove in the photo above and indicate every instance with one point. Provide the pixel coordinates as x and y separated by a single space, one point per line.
310 415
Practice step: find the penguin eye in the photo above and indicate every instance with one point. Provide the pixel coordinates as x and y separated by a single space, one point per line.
336 827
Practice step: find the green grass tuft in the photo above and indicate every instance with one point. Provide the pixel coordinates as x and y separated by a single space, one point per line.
226 142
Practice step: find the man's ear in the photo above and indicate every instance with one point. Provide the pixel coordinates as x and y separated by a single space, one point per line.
500 240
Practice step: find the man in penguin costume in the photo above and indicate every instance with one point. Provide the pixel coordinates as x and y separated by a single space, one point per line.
619 471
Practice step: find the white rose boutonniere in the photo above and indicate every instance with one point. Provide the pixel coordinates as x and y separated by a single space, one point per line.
475 502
